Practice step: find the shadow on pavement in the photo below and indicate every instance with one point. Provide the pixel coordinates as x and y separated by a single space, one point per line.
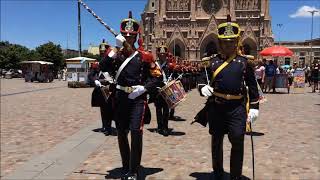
255 133
100 130
171 132
146 171
84 172
177 118
153 130
117 173
176 133
209 176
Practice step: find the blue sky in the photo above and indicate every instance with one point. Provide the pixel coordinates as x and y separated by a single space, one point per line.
34 22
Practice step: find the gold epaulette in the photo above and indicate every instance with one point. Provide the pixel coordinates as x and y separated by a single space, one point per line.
205 61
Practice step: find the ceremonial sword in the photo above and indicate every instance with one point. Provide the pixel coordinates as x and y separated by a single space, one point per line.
98 18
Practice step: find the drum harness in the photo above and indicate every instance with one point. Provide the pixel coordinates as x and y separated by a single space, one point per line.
123 65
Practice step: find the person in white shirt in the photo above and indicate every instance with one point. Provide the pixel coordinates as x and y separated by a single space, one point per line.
260 73
290 72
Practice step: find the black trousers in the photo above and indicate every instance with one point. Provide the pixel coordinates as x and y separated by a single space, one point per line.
129 117
162 111
227 118
106 114
171 115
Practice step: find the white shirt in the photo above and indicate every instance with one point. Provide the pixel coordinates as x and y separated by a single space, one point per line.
259 72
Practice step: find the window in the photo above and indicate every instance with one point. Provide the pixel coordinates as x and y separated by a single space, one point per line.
152 4
302 53
185 34
287 61
317 53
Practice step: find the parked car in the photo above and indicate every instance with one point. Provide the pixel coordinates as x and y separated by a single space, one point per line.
16 73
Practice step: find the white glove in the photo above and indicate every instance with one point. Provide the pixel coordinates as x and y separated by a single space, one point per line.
207 90
138 90
119 40
253 115
97 83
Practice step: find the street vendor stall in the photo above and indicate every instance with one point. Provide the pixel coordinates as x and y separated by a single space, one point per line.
78 69
281 80
40 71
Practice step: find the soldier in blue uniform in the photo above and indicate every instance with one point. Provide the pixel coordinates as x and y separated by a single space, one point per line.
135 74
98 100
162 108
227 101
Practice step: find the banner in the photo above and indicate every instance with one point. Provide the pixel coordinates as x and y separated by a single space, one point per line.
298 81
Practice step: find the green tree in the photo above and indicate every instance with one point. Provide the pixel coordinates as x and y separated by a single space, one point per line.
51 53
34 56
12 54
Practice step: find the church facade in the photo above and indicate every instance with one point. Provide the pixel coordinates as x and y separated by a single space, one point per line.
189 27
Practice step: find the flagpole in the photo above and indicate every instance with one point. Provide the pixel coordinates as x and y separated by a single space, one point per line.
79 29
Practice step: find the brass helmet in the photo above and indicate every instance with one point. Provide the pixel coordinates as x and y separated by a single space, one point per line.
103 46
162 49
129 26
228 30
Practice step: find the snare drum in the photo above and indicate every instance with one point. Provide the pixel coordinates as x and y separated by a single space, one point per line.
173 93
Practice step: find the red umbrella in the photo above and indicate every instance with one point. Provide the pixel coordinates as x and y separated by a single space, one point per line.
276 51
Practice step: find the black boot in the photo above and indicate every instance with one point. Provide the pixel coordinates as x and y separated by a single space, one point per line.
124 150
165 132
108 131
136 151
218 175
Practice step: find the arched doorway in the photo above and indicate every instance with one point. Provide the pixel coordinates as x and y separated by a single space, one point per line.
249 47
209 46
177 48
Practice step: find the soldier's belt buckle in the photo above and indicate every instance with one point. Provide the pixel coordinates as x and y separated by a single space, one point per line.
228 97
129 89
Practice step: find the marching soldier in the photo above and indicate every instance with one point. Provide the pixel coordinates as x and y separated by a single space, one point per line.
162 108
106 106
135 74
230 73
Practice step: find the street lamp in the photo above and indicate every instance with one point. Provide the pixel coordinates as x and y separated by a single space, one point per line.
312 14
280 26
79 29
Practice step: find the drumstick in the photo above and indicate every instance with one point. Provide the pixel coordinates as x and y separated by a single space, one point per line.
169 79
205 69
180 75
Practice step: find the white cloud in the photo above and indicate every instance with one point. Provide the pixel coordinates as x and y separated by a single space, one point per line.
304 12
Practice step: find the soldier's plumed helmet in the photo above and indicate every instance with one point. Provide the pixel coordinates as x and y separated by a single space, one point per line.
103 46
162 49
228 30
129 26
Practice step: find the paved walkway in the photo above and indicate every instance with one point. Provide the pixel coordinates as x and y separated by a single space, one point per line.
286 143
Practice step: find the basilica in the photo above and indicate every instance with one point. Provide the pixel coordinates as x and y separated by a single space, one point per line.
189 27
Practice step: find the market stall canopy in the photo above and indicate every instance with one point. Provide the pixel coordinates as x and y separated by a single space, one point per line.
81 59
35 62
276 51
